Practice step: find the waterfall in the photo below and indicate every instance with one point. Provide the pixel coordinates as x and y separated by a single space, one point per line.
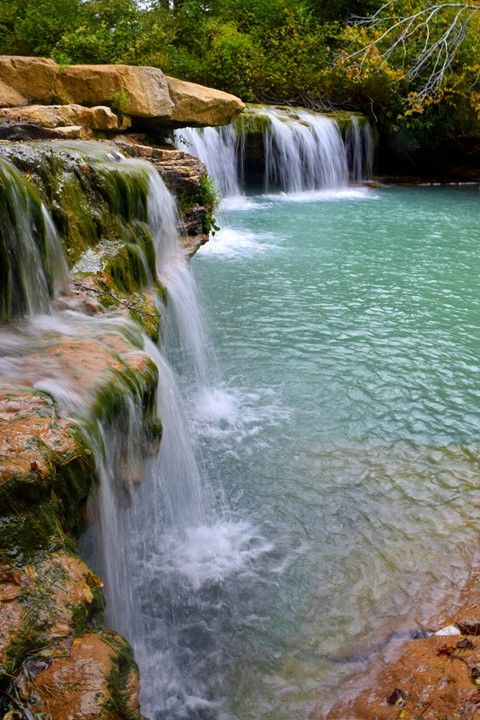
160 542
303 153
184 325
32 262
282 149
360 149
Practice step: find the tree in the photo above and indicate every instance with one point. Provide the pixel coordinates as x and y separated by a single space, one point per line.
424 39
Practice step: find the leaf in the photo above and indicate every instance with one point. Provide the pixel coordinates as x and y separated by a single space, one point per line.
445 650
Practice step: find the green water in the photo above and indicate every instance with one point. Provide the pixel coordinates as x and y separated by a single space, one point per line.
347 429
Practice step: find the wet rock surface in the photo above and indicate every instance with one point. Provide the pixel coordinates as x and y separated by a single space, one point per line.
49 598
55 657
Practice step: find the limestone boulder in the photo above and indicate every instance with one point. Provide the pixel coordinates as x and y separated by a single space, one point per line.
31 78
61 116
137 91
197 105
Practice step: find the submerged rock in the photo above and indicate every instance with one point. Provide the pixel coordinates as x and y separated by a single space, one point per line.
434 677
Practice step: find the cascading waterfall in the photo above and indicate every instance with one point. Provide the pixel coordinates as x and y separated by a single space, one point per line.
162 540
282 149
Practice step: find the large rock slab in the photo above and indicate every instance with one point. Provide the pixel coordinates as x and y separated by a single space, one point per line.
197 105
137 91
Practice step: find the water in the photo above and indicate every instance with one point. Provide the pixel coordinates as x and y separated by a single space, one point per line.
347 432
285 149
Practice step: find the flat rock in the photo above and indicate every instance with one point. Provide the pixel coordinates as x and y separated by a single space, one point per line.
199 105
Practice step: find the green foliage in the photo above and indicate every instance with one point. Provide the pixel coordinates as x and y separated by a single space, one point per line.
119 101
282 51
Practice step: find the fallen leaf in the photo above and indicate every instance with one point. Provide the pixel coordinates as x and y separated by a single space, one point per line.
398 697
445 650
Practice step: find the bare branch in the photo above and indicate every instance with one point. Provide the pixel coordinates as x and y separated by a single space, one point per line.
440 27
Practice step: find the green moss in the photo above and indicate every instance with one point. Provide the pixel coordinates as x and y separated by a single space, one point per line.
252 120
27 642
207 197
123 664
125 188
119 384
77 220
86 616
27 533
131 260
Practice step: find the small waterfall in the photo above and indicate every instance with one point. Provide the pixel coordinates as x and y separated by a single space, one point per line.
184 326
32 261
360 149
305 152
282 149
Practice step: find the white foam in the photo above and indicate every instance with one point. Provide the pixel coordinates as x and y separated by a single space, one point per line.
310 196
229 243
242 202
220 413
211 553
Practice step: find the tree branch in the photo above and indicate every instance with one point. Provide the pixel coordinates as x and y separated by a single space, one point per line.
440 44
